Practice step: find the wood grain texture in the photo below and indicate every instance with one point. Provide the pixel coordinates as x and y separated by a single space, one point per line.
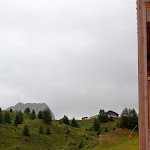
149 104
142 76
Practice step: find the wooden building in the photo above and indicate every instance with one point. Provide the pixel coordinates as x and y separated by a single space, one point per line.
143 17
112 113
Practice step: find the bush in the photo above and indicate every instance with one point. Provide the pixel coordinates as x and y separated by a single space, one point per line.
26 130
80 145
96 125
46 116
103 117
67 130
111 119
114 128
106 129
48 131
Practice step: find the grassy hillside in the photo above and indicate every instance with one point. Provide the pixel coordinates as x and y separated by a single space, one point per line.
11 137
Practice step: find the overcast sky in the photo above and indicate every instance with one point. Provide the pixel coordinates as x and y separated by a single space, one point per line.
77 56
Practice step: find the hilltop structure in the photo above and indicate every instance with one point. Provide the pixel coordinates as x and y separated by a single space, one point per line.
112 113
109 113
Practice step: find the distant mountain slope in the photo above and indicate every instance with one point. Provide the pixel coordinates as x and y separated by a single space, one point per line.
36 106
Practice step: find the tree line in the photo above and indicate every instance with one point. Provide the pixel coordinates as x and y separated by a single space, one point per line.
128 119
45 115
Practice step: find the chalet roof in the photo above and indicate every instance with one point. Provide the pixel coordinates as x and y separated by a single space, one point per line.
110 111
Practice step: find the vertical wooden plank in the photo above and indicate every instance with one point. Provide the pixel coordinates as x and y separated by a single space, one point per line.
149 104
142 75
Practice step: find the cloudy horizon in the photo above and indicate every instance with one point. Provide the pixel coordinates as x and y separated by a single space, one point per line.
76 56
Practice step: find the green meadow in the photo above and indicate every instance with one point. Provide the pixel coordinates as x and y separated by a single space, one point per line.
12 138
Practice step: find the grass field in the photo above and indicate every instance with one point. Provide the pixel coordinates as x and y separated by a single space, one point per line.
11 137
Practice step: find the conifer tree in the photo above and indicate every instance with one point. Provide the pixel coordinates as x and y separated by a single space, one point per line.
0 109
46 116
96 125
74 123
1 118
103 117
41 130
27 111
20 117
65 120
32 115
26 130
7 118
10 110
16 122
98 132
40 115
129 118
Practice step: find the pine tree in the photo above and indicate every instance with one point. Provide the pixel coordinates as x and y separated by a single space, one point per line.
1 118
129 118
46 116
98 132
96 125
20 117
7 118
40 115
33 116
0 109
10 110
16 122
65 120
41 130
48 131
74 123
103 117
124 120
27 111
26 130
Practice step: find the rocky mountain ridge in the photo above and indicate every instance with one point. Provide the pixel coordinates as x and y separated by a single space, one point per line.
36 106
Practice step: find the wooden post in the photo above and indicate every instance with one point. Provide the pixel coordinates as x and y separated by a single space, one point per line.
144 131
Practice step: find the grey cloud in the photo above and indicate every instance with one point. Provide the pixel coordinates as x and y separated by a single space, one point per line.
76 56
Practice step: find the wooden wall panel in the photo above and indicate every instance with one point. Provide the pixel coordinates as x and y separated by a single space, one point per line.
149 103
142 75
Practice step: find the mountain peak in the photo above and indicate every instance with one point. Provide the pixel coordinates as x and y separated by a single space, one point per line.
36 106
